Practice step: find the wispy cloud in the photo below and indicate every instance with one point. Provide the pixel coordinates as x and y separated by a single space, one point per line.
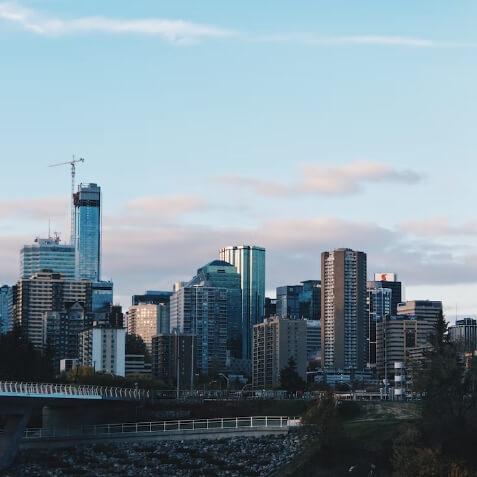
171 206
185 32
36 209
177 31
439 227
324 180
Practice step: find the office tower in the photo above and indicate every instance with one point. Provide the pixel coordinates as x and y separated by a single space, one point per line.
6 308
311 299
102 296
47 254
103 348
343 309
296 302
378 304
202 311
173 356
47 291
313 340
426 310
220 274
270 307
288 302
249 260
87 234
464 334
61 330
143 321
389 281
396 335
274 342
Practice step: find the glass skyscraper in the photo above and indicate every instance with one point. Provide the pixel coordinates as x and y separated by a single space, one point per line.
249 260
6 308
87 233
47 254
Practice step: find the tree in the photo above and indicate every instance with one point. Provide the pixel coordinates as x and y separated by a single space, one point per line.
20 361
135 345
290 380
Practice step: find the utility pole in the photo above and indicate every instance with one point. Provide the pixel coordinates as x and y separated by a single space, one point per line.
73 173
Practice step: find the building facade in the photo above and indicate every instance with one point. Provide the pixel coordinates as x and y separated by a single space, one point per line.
87 232
202 311
464 334
378 306
220 274
343 309
6 308
103 349
174 359
389 281
426 310
47 291
249 260
144 321
275 341
47 254
296 302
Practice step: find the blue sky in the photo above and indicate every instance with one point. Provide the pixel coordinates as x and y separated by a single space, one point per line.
301 127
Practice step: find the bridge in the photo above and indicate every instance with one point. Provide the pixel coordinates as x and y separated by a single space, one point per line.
18 399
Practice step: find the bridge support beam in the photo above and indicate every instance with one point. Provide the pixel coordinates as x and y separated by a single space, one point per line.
15 425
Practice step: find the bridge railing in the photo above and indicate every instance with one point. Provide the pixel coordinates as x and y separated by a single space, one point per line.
114 430
73 390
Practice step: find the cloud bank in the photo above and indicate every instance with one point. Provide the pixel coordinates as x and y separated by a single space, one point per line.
324 180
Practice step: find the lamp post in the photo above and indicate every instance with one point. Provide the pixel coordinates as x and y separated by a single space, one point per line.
226 378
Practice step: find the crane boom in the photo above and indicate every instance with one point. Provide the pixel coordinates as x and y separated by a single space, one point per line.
73 172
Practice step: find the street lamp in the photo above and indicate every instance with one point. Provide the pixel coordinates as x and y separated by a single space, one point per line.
226 378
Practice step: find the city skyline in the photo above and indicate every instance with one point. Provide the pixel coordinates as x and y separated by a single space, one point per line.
381 106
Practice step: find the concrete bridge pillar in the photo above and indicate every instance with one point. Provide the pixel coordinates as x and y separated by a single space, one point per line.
16 422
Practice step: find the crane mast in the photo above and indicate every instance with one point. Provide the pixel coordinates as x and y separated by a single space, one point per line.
73 173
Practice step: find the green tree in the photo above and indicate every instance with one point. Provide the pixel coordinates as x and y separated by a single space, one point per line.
290 380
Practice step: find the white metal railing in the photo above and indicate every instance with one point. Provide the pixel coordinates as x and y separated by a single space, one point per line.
161 427
73 390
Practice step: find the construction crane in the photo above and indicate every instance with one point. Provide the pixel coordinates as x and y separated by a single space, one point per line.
73 172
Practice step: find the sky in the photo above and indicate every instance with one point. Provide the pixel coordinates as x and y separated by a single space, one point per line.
298 126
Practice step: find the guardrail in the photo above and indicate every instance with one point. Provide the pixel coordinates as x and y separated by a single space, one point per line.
161 427
71 390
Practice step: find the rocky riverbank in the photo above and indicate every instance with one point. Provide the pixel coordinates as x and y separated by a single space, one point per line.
259 456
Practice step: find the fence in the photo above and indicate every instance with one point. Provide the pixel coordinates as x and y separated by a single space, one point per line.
114 430
70 390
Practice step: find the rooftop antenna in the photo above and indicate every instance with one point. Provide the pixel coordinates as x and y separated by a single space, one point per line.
73 172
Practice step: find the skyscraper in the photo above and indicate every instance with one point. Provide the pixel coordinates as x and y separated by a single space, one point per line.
220 274
202 311
249 260
144 321
87 233
47 291
47 254
6 308
343 309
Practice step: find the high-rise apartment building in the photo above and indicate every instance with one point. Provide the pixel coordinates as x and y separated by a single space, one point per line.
464 334
202 311
343 309
103 348
275 341
6 308
144 321
47 254
61 331
220 274
313 339
173 358
249 260
47 291
87 233
162 300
